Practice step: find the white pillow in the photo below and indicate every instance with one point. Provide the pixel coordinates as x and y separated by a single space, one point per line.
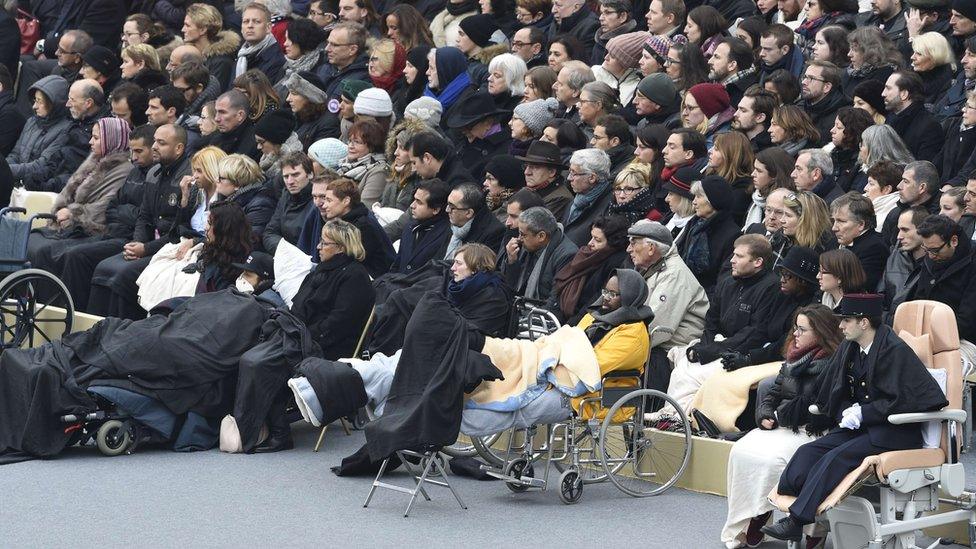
932 430
291 265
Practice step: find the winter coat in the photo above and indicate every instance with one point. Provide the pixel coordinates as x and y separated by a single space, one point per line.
444 27
582 25
485 229
721 232
739 311
922 134
474 155
11 121
160 210
601 38
240 140
420 242
889 232
269 60
271 163
379 249
90 189
369 173
42 137
123 210
895 28
827 189
959 146
900 277
951 102
625 87
849 80
310 131
824 112
221 58
936 82
870 249
778 325
288 217
334 301
556 197
678 300
555 255
953 284
259 205
332 78
149 79
798 383
454 173
579 229
847 170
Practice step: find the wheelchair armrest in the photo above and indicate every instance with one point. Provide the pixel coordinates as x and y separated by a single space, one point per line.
626 374
948 414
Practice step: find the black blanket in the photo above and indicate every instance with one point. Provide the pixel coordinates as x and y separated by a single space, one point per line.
182 360
436 368
337 385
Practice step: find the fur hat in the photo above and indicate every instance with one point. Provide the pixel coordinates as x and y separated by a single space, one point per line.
308 85
537 114
626 48
373 102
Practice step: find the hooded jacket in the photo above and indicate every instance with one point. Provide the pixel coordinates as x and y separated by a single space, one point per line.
90 189
678 300
221 57
42 137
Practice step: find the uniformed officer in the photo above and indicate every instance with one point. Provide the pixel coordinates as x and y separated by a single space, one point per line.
872 375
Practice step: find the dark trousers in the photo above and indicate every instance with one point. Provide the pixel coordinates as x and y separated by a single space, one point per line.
79 262
818 467
114 289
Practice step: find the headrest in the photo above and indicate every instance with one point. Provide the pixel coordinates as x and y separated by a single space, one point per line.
932 318
922 345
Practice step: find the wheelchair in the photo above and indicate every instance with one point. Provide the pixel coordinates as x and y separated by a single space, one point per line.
35 306
621 446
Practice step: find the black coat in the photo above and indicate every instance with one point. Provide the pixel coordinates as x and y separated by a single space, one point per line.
889 230
454 172
11 121
123 210
953 284
420 242
334 301
741 199
331 77
824 112
778 325
485 229
288 218
517 274
721 231
738 310
438 364
379 249
846 170
259 205
936 83
473 156
951 102
582 25
827 189
791 394
959 146
872 252
270 61
579 229
919 130
240 140
312 130
896 382
160 204
849 81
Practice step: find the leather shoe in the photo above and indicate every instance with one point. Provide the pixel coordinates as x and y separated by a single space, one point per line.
754 535
786 529
275 444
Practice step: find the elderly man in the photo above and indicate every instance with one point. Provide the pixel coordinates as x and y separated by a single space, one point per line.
184 53
813 172
568 88
772 224
543 162
478 120
678 300
614 21
657 101
471 221
235 131
589 176
853 225
86 103
534 257
260 50
919 186
575 19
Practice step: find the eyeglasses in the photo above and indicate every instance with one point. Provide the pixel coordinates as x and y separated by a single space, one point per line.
60 51
519 44
668 62
453 208
968 106
814 78
626 190
330 44
325 243
935 251
800 329
572 175
609 294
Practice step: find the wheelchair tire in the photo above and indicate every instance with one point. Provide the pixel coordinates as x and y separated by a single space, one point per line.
24 295
518 468
466 446
570 487
639 460
113 439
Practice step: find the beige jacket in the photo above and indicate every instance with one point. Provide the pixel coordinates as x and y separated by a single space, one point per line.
678 300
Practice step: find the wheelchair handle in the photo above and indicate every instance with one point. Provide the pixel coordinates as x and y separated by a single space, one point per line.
52 217
15 210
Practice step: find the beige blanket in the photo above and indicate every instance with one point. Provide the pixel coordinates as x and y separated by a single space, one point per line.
724 395
564 358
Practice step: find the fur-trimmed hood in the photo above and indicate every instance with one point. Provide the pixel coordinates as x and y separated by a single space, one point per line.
90 189
227 43
411 125
487 54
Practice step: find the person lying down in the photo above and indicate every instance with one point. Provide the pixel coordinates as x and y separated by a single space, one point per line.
544 380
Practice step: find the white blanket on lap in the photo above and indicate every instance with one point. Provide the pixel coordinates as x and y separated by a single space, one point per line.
164 277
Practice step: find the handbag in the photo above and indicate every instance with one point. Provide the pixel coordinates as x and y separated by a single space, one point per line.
30 31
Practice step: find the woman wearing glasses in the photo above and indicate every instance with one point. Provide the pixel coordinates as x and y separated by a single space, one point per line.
757 459
633 197
685 65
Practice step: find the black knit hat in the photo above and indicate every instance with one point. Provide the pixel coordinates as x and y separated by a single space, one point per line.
479 29
102 60
276 126
870 92
718 192
508 170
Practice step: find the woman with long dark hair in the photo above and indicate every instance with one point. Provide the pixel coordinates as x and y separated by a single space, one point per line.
757 459
685 65
415 78
227 242
407 26
849 124
830 45
705 27
770 171
260 94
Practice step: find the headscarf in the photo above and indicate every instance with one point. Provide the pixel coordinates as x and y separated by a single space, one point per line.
418 58
396 71
633 296
452 75
115 136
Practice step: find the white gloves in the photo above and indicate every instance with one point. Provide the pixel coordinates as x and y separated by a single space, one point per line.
851 417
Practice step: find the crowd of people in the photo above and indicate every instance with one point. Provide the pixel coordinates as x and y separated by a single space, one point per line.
768 168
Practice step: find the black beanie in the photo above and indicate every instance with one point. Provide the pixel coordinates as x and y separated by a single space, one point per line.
718 192
102 60
479 29
509 171
870 92
276 126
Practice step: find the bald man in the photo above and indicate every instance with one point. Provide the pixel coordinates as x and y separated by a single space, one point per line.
183 53
86 103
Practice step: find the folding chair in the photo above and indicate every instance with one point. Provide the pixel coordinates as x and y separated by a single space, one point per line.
359 346
431 464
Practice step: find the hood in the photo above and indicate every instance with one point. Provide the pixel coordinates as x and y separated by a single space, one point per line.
56 90
412 126
227 43
487 54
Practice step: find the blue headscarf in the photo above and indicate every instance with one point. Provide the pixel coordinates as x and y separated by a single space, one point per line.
452 76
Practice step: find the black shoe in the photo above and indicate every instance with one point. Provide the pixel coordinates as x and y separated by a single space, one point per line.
786 529
276 443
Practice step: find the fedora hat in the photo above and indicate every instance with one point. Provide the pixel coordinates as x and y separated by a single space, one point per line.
801 262
475 109
542 152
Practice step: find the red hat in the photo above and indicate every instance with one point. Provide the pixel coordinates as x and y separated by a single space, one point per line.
711 97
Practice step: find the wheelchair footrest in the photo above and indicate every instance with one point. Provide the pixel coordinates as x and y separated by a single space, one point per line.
530 482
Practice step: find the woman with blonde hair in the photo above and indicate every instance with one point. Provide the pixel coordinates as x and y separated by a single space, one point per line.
731 158
792 129
140 65
387 59
199 189
241 180
806 222
933 60
632 196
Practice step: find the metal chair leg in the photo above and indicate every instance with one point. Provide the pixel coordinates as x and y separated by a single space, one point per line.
376 482
345 425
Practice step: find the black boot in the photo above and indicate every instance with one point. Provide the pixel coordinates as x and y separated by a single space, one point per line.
786 529
279 436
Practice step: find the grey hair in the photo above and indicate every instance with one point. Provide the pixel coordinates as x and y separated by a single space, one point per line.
602 92
592 161
859 206
513 68
884 143
237 100
578 75
925 172
278 8
819 159
472 196
698 191
539 219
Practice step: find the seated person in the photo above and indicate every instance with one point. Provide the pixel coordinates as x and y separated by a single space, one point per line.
580 282
80 206
257 277
706 242
295 201
339 199
872 375
536 255
427 229
904 261
242 181
948 275
471 220
854 227
227 243
840 274
735 321
758 458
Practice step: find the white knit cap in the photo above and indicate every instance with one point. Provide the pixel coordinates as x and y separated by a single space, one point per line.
426 109
373 102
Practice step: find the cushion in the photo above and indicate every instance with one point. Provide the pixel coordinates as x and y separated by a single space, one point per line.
932 430
921 344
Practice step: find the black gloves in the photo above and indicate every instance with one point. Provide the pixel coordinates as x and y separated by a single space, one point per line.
733 360
702 353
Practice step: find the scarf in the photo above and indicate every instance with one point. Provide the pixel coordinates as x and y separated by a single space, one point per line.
699 254
739 76
356 169
458 234
583 201
532 284
388 81
863 72
461 292
756 210
633 295
306 62
569 280
452 91
636 209
115 136
800 363
243 190
494 202
248 50
460 8
678 222
808 29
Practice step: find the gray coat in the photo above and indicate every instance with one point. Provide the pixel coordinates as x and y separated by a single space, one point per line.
42 137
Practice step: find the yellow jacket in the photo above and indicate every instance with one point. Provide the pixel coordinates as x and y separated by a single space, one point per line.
623 348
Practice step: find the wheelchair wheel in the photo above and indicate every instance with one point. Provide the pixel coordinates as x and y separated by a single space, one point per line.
498 457
642 461
35 307
590 467
570 487
113 438
517 469
466 446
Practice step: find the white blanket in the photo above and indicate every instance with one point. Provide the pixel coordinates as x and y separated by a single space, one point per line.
164 277
291 266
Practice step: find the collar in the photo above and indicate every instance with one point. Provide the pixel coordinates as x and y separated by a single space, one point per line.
867 349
